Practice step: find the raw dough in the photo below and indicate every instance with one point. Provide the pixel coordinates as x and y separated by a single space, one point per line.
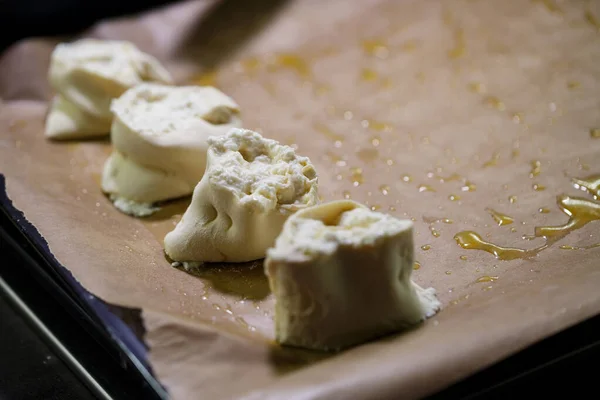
160 137
340 274
251 186
87 75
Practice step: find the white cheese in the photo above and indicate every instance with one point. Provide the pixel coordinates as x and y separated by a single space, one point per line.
251 186
87 75
160 137
341 275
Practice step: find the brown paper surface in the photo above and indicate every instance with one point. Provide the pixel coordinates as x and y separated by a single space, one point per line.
436 111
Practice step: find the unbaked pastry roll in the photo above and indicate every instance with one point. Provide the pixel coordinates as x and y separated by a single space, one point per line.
251 186
160 137
341 275
87 75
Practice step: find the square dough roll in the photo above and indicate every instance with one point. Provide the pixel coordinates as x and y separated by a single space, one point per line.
87 75
251 186
341 275
160 137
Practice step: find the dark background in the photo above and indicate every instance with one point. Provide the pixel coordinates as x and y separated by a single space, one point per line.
31 18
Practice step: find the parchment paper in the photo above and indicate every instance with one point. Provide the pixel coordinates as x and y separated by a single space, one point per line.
428 110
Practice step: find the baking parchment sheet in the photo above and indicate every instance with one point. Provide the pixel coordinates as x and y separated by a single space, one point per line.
462 115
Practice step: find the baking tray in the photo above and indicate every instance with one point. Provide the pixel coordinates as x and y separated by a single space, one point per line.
97 340
103 344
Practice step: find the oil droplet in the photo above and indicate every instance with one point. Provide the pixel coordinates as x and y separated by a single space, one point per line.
512 199
513 230
464 258
346 194
535 168
321 90
459 45
216 306
242 322
468 187
336 159
207 78
471 240
592 246
392 208
368 75
486 278
356 176
348 115
384 189
379 126
375 141
453 177
367 155
580 211
250 65
492 161
433 220
455 302
434 232
389 162
375 47
417 265
538 187
592 20
408 46
448 272
406 178
328 133
292 62
494 102
453 197
500 219
595 133
550 5
543 210
476 87
375 207
590 184
425 188
425 247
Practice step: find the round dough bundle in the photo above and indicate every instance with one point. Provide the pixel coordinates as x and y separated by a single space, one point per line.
160 137
340 274
251 186
87 75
